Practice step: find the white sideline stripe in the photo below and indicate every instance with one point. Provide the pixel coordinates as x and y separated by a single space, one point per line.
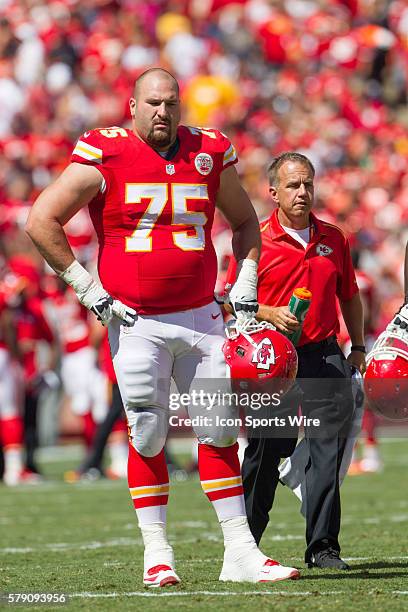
119 563
87 595
67 547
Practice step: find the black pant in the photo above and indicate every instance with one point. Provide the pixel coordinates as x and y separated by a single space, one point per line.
30 428
324 392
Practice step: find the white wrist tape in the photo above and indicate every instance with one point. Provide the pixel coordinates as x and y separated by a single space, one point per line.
247 272
86 288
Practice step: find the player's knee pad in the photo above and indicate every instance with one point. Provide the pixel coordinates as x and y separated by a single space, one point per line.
220 432
219 442
141 385
148 430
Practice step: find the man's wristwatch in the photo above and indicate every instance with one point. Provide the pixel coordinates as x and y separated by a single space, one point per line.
358 347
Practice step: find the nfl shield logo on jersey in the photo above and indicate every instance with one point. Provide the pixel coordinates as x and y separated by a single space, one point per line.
264 355
204 163
170 169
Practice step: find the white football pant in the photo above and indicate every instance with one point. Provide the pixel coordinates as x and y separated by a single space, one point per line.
10 384
185 346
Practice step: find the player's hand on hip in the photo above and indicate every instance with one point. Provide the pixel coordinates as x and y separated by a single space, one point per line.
125 313
94 297
106 308
103 309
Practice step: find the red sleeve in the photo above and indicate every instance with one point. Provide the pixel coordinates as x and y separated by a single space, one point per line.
102 148
347 284
231 274
219 144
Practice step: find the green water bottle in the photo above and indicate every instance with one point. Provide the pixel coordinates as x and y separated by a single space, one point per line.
298 305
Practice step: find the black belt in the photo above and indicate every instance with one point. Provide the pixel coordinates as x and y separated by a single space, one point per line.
315 346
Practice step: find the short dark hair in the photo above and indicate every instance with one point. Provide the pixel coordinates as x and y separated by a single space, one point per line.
144 74
292 156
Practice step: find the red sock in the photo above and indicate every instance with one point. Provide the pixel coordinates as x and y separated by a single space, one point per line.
368 426
221 480
11 431
148 481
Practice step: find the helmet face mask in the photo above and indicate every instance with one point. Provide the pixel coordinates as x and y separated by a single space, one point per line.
260 358
386 378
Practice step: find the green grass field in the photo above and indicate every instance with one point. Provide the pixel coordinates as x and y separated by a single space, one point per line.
83 540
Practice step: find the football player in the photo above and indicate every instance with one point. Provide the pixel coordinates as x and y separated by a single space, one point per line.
386 380
152 192
11 421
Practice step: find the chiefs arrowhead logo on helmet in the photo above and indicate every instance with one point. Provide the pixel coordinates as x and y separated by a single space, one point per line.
260 358
264 354
386 378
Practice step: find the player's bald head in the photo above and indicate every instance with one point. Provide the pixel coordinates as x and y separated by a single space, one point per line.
152 77
155 108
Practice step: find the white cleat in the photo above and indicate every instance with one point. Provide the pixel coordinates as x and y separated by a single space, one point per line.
269 571
160 576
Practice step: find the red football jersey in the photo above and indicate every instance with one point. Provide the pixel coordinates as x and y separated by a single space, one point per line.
154 217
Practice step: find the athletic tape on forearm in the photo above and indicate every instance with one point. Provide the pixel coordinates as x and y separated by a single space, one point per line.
247 272
86 288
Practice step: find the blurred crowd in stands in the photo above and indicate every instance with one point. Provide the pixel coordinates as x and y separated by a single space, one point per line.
325 77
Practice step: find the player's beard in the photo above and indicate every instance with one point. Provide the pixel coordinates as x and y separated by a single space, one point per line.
160 138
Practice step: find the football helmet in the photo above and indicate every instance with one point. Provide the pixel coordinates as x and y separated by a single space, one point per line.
386 377
259 357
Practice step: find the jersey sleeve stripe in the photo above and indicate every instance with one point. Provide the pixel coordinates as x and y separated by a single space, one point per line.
229 155
88 152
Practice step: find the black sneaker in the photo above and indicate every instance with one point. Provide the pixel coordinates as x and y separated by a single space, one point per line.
329 558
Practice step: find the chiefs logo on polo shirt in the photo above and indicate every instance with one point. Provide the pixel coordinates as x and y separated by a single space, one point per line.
323 249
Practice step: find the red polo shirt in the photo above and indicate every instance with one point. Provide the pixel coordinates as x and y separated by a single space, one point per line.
324 267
